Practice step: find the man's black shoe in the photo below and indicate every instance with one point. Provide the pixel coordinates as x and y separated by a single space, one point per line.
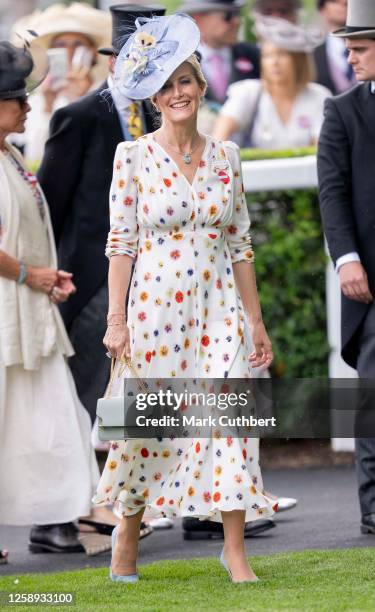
368 523
194 529
61 538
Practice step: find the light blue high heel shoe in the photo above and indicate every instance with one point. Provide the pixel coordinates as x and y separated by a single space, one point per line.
129 579
226 566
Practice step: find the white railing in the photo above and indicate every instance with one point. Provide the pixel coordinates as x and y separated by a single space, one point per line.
301 173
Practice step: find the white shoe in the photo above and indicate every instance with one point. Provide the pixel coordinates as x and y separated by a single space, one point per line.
286 503
161 523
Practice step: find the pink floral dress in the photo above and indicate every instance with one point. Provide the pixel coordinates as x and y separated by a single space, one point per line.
186 321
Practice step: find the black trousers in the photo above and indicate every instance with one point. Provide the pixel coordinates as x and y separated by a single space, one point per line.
365 417
90 366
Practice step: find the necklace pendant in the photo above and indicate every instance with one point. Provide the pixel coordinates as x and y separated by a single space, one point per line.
187 158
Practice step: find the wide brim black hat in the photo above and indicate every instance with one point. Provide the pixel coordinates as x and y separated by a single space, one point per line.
22 68
123 23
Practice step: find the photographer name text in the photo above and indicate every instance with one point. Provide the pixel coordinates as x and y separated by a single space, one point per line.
223 420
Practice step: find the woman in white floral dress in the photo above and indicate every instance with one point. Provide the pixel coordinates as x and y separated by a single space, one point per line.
192 294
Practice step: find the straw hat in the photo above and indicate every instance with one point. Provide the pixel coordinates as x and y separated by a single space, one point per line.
78 18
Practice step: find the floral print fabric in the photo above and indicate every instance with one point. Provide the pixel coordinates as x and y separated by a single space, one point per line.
186 321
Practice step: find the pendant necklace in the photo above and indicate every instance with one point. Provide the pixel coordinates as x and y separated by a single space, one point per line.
185 156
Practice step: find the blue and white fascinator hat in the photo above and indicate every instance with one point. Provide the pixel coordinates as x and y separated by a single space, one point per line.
152 53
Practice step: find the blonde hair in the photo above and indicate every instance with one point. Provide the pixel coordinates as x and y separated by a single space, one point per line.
197 74
304 68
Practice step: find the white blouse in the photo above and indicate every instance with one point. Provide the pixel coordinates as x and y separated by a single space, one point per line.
269 132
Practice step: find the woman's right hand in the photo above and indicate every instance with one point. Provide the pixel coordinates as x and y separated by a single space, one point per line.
41 279
117 340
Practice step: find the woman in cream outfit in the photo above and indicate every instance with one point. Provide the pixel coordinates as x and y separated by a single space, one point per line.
48 467
177 204
284 109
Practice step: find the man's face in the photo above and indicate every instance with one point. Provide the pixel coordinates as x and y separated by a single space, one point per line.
219 28
282 9
362 58
334 13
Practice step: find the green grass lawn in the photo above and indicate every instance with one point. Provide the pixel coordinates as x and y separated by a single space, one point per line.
312 580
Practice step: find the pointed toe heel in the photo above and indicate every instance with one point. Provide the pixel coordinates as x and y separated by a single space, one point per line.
128 579
227 568
225 565
132 578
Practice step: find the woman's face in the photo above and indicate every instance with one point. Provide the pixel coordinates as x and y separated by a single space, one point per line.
13 114
277 64
178 100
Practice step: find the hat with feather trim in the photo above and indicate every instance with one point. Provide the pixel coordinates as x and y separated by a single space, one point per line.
152 53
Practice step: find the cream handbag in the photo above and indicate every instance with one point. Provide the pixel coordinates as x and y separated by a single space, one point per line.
117 415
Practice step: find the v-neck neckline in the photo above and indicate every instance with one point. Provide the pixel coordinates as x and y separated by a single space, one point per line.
191 184
285 126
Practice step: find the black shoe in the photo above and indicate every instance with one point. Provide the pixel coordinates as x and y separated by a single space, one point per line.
61 538
368 523
194 529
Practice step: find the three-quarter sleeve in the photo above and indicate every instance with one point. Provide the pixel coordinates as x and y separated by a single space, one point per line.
123 234
238 230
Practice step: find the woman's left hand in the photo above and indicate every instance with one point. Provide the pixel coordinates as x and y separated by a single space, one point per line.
262 356
63 288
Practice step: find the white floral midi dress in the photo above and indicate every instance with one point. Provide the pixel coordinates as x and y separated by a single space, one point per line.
186 321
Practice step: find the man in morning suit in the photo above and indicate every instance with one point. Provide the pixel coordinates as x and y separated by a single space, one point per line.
346 161
75 175
224 60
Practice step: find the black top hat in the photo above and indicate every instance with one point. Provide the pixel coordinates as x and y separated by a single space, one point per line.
15 66
123 23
